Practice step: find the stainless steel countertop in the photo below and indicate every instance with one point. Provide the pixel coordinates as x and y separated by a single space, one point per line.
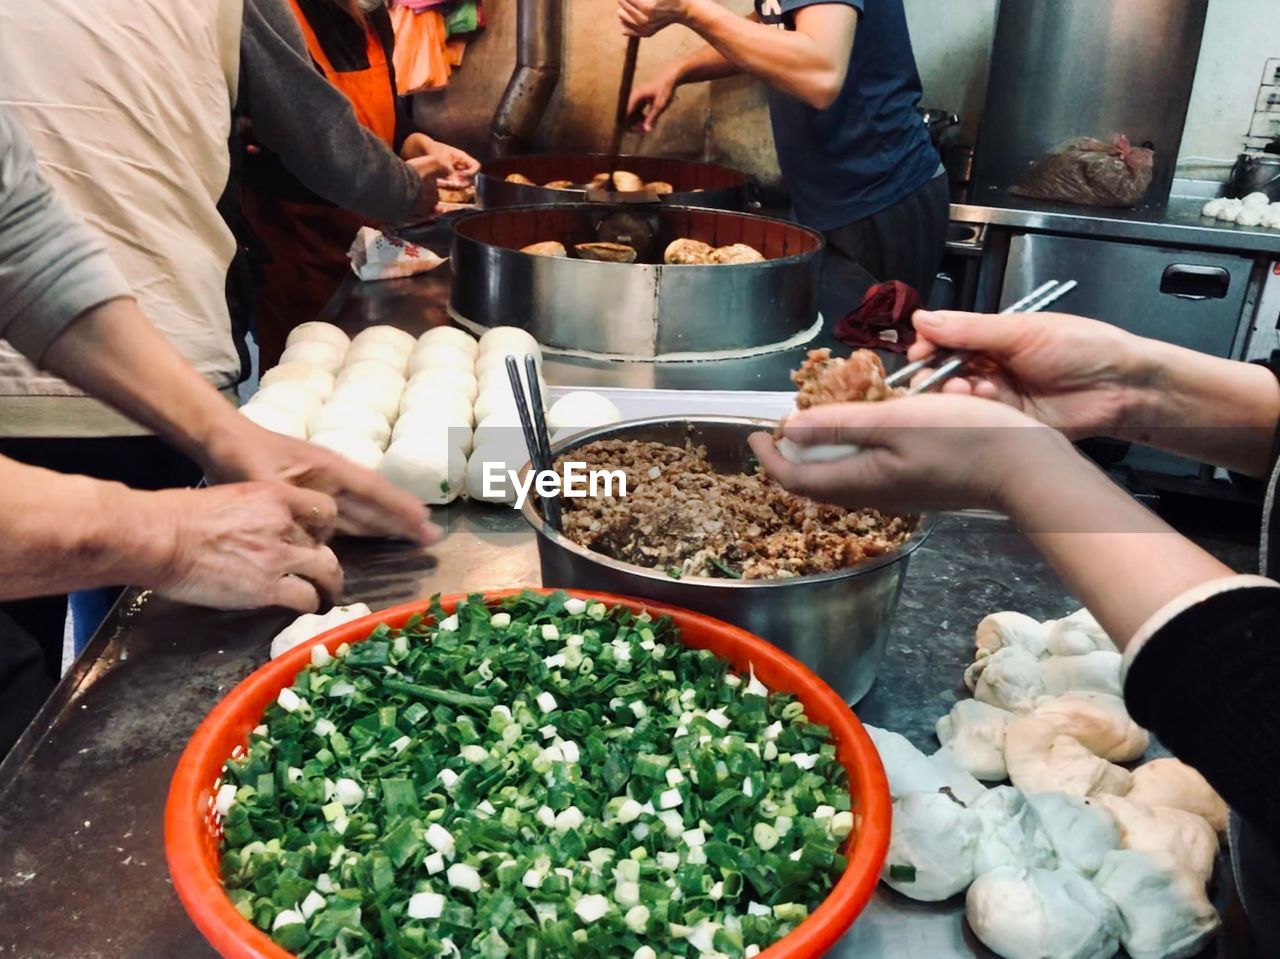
1179 224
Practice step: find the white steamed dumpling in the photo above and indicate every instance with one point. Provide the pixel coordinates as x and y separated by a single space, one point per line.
1251 216
320 382
347 417
509 339
382 397
354 446
288 395
362 371
1257 199
451 336
458 381
383 352
319 331
504 453
318 353
433 470
453 407
931 848
427 423
582 410
391 335
503 424
441 356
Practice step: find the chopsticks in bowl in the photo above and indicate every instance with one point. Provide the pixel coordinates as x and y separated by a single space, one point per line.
536 438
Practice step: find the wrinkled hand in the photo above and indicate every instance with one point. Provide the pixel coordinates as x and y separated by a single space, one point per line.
444 161
644 18
651 99
1068 372
243 546
917 453
367 504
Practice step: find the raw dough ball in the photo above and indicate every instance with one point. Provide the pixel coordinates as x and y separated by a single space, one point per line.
383 352
1171 782
1271 219
450 336
392 336
1082 832
1161 830
1042 760
687 252
582 411
310 625
1230 210
455 381
358 448
442 356
1098 720
508 452
500 426
931 848
1078 634
284 422
426 423
508 339
1251 216
495 363
451 407
1010 678
1009 833
289 395
380 396
1097 672
1257 199
498 375
1042 914
347 417
431 469
973 732
317 353
1213 207
322 332
1166 913
362 371
910 770
1002 630
313 378
497 397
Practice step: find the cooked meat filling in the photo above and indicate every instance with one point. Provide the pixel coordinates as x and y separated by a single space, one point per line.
683 517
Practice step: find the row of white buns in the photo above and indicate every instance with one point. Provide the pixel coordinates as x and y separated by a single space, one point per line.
1256 209
413 409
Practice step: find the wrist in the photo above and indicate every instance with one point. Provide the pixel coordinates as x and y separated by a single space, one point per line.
700 15
1025 463
122 537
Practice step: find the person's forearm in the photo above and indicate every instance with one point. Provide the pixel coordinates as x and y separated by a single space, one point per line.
1122 561
61 533
787 60
1220 411
114 353
703 65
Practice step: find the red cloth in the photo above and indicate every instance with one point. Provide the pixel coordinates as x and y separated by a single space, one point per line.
882 320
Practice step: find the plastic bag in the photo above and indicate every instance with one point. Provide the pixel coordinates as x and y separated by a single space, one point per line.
1090 172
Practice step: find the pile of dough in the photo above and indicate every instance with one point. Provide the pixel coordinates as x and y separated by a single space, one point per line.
1162 830
1256 209
1010 833
1042 914
1098 720
1081 831
1040 759
910 770
932 847
310 625
1009 678
1165 911
973 733
1171 782
1076 635
1009 629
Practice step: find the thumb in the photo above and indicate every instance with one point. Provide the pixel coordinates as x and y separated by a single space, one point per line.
994 334
854 424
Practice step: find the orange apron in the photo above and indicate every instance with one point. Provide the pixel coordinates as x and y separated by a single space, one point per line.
307 242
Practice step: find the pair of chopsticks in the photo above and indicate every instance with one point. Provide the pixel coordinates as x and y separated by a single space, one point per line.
951 362
534 423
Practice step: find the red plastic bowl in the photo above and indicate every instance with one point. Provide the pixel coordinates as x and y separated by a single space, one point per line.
192 835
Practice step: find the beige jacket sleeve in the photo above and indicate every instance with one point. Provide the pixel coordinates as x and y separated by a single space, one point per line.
52 268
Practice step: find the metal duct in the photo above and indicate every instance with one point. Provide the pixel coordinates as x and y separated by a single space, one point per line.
539 51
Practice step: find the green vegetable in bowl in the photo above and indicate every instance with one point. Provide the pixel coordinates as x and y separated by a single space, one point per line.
545 777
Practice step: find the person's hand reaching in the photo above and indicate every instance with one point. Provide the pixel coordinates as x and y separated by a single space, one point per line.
650 100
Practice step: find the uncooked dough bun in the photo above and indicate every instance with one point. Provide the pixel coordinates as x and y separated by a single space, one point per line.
489 364
284 422
364 370
359 449
1258 199
289 395
451 336
392 336
498 374
441 356
380 350
499 426
582 410
317 353
450 406
384 398
323 332
508 339
347 417
458 381
507 452
1042 914
432 470
497 397
424 423
319 381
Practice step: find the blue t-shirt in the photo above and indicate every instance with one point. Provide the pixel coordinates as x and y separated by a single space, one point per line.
869 149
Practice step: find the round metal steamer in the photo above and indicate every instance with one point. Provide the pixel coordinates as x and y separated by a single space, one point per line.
643 309
837 624
696 184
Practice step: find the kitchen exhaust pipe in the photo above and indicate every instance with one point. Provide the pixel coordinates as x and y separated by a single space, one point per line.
539 50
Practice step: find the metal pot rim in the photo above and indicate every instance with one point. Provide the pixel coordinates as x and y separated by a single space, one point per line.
531 516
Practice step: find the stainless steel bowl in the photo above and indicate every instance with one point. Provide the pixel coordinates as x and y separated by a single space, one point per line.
837 624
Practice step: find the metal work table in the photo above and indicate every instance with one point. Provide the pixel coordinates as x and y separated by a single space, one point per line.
1179 224
82 869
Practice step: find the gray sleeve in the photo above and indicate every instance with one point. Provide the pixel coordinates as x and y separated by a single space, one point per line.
52 267
310 125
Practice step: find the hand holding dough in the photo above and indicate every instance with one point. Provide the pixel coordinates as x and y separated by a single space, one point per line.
1098 720
1165 911
1042 760
1170 782
931 850
1042 914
